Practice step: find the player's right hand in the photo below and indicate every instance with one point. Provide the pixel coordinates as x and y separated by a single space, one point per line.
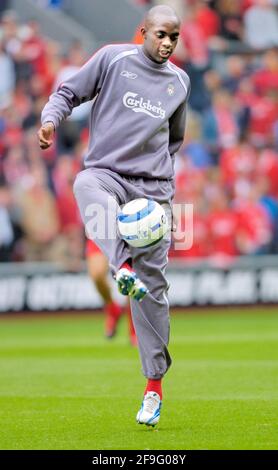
45 135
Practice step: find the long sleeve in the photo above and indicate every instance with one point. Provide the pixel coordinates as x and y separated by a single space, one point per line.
81 87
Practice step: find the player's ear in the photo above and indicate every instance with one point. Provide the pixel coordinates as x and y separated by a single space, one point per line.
143 32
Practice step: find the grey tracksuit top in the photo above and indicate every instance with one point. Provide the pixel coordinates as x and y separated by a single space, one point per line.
138 115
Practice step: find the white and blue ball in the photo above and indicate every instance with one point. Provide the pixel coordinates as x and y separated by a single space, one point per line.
142 222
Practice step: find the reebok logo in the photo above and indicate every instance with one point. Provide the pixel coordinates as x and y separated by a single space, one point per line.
130 75
140 105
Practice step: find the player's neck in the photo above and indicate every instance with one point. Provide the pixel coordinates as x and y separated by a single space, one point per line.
150 61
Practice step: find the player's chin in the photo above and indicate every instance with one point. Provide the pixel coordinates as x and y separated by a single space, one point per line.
163 57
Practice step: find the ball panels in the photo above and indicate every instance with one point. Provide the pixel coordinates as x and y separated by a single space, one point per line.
142 222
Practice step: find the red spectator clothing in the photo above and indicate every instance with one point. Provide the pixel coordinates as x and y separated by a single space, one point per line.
189 181
34 51
138 37
209 22
2 150
265 80
223 226
14 167
245 4
246 98
176 61
84 135
267 166
199 248
240 159
92 248
64 174
68 211
22 103
227 126
264 113
142 2
13 136
195 42
46 81
254 225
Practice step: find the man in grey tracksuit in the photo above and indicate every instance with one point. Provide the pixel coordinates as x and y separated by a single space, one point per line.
137 125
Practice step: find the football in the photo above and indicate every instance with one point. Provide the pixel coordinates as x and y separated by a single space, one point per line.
142 222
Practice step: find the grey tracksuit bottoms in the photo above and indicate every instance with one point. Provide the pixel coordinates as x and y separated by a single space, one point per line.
99 194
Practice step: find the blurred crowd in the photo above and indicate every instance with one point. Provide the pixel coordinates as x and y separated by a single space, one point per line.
227 167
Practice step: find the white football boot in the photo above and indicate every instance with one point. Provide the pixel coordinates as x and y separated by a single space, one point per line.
130 284
149 412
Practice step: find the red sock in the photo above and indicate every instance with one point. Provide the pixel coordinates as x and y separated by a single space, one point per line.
154 386
126 266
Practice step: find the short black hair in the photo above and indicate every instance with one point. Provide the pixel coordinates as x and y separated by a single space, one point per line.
163 10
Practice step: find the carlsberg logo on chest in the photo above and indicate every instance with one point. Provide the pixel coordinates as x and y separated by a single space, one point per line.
139 105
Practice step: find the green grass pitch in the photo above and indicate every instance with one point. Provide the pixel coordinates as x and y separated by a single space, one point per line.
63 386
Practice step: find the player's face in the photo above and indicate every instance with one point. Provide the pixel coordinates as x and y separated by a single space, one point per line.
160 38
